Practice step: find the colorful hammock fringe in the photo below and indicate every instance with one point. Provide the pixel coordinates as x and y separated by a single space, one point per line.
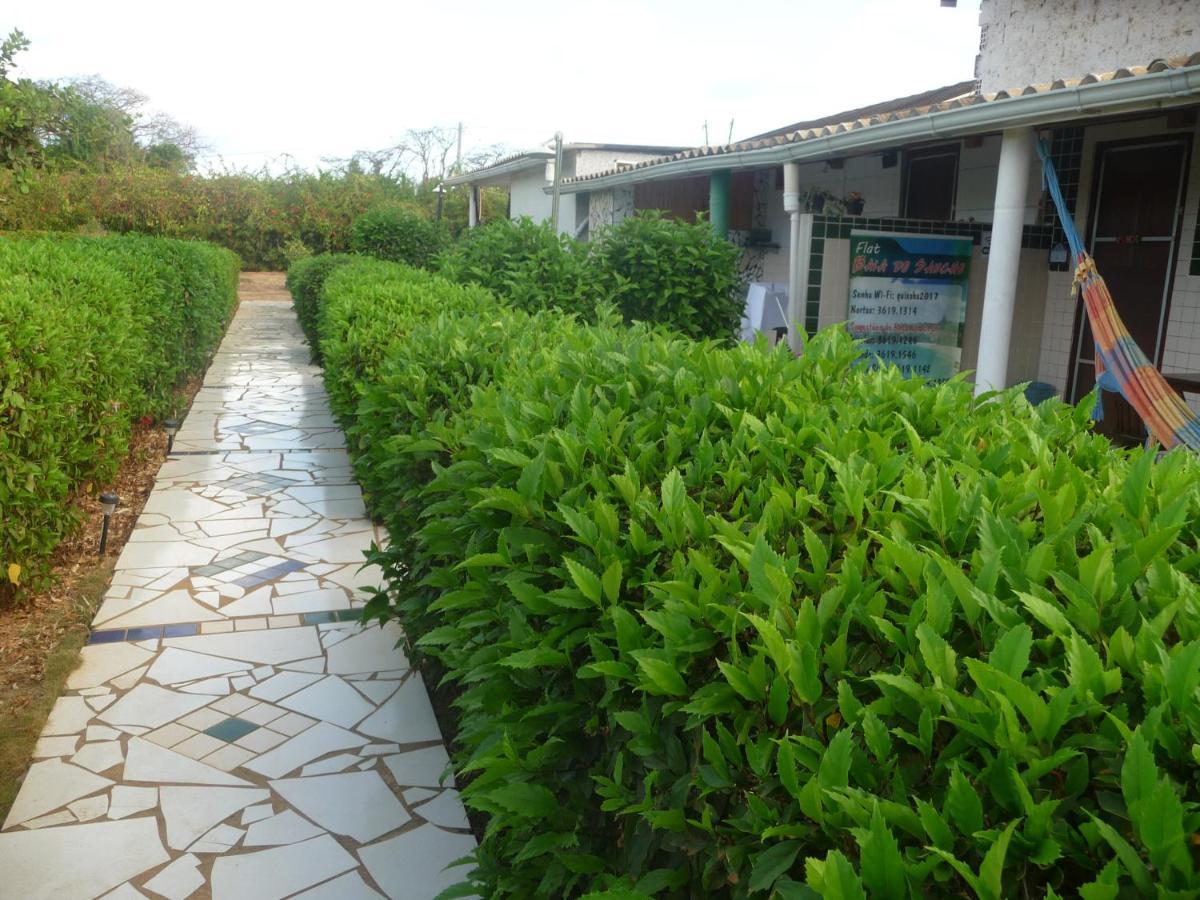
1168 418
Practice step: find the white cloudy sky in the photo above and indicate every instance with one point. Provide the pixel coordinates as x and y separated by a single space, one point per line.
261 78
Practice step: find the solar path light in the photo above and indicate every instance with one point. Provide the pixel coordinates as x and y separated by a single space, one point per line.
108 503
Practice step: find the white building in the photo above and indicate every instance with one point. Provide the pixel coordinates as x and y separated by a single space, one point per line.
529 176
961 161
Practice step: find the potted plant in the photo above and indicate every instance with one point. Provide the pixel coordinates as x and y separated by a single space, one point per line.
854 203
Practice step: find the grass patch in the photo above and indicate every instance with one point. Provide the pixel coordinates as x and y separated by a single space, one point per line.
26 705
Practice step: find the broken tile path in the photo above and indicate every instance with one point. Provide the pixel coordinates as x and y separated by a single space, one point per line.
232 731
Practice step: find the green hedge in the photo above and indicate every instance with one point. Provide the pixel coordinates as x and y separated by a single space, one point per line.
724 622
398 234
94 333
652 269
529 265
306 279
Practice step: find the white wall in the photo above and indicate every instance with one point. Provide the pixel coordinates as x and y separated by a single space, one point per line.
527 197
1034 41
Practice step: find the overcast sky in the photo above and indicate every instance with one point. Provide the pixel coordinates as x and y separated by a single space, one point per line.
260 78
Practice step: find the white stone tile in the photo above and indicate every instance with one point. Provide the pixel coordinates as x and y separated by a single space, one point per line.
269 647
371 650
377 691
174 606
203 718
62 817
417 796
189 812
309 744
421 768
99 663
68 716
257 813
99 756
78 860
179 506
229 757
125 800
331 700
55 746
89 808
337 763
148 762
316 664
285 828
445 810
312 601
406 717
175 666
262 714
179 880
345 887
49 785
137 556
261 740
170 735
129 679
234 704
220 839
101 733
357 804
213 687
150 705
280 871
199 746
99 702
417 863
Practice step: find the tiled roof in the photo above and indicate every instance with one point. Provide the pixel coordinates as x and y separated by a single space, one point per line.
539 154
891 111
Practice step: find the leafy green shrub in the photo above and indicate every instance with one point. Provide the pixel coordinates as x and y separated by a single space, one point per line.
530 266
729 623
259 218
306 279
668 272
94 333
397 234
368 311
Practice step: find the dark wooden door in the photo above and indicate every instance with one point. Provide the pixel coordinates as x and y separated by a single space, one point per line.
1135 222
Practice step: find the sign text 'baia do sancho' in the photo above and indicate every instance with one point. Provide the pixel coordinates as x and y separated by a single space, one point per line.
908 300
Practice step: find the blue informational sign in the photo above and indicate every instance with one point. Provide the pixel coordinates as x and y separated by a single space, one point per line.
908 300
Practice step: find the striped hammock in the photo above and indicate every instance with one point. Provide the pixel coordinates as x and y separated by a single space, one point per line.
1168 418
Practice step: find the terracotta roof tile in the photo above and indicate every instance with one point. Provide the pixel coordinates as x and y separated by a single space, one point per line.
949 97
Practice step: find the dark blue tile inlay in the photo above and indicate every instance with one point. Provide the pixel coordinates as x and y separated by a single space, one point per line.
184 630
145 633
230 730
107 637
316 618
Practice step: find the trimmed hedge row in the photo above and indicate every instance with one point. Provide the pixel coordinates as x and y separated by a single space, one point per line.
306 279
652 269
729 623
94 333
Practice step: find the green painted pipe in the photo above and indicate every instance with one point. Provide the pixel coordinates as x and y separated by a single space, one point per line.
718 202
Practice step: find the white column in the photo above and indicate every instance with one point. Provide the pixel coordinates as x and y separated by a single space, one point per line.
1004 259
799 249
472 207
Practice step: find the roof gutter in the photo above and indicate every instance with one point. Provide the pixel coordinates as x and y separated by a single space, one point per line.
520 164
1159 89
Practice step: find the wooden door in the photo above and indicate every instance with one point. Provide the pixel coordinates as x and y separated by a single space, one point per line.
1134 231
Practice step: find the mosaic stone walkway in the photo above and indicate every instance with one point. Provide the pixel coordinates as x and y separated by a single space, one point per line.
231 731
